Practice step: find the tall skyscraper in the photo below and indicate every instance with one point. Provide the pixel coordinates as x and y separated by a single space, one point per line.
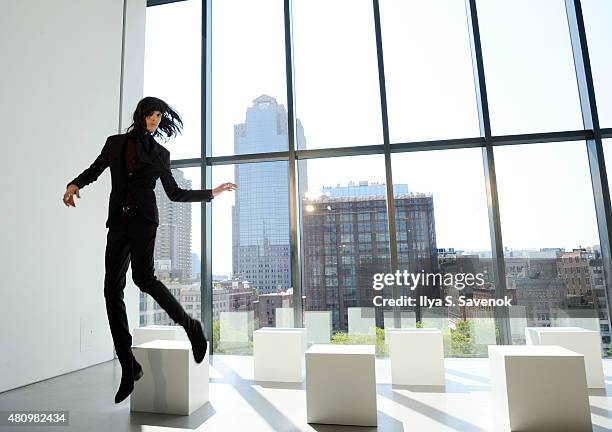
260 217
173 243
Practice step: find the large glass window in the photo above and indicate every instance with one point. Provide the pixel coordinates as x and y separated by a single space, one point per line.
343 247
552 254
173 55
336 77
250 261
529 66
597 19
443 229
248 75
428 70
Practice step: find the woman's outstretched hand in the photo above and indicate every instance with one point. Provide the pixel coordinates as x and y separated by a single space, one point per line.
224 187
71 191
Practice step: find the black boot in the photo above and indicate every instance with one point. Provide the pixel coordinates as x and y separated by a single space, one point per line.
127 379
194 331
137 369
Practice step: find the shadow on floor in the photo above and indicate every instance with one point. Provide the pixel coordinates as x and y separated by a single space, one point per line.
271 414
386 423
468 376
435 414
192 421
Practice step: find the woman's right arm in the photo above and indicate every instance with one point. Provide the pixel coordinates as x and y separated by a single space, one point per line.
88 176
92 173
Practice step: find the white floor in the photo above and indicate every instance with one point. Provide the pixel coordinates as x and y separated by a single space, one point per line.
240 404
463 405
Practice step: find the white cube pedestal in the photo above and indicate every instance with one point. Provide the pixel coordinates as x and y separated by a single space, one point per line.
539 388
341 385
278 354
173 383
417 356
582 341
158 332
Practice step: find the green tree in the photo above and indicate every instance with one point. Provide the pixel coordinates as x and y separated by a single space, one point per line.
216 336
343 338
461 340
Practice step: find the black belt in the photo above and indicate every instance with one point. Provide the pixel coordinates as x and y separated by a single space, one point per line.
127 208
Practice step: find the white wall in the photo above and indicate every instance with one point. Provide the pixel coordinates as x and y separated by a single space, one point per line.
60 97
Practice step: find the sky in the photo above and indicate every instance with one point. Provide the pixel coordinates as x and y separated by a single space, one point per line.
545 193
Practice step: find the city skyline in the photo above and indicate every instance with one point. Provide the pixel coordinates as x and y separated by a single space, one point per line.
546 200
239 79
345 238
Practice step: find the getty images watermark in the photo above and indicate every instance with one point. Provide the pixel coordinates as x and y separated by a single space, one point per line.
459 281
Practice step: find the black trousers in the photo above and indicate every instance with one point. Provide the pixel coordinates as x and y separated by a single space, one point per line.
131 238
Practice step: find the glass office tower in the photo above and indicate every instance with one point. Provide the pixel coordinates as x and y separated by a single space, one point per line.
260 217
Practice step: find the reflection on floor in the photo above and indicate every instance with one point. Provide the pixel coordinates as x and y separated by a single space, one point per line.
240 404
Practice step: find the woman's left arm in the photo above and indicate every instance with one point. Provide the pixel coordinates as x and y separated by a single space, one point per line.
175 193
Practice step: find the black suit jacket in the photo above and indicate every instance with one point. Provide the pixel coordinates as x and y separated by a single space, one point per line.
141 184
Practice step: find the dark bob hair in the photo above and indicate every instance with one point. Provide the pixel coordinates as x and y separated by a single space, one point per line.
170 124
